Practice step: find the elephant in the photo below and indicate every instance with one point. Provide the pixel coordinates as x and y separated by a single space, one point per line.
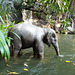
32 36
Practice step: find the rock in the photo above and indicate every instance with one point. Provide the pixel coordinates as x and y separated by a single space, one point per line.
72 30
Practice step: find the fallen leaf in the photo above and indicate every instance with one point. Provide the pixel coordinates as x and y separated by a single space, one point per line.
8 65
26 69
60 59
13 73
67 61
8 71
73 63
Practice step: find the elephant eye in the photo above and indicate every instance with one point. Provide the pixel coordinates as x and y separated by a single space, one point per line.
53 35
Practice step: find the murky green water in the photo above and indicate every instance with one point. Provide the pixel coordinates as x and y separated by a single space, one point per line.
51 65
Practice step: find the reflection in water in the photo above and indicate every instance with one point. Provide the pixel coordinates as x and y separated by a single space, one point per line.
51 65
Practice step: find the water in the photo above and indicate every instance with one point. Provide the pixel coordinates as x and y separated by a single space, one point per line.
50 65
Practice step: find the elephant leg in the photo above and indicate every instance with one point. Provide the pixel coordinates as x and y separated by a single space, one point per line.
16 50
17 47
15 53
34 51
40 49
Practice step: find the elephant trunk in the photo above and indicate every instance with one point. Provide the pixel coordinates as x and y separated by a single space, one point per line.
56 47
57 50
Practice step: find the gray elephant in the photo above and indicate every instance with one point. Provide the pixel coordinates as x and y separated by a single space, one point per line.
32 36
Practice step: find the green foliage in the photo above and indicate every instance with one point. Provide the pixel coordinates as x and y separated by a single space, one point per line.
4 27
56 5
47 6
51 5
16 35
65 24
4 40
4 49
5 12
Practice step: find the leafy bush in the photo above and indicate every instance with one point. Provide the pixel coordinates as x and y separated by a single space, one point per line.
64 25
4 49
4 27
5 11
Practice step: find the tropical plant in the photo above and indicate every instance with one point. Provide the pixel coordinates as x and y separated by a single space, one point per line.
46 6
4 27
4 39
5 12
64 25
4 49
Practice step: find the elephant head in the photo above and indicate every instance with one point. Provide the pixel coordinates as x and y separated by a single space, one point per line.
51 38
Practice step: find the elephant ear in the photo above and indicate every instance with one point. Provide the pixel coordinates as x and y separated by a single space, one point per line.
49 38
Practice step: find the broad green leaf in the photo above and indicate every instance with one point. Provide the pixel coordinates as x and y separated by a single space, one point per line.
1 3
13 23
8 39
16 35
2 36
2 20
7 50
4 44
1 49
